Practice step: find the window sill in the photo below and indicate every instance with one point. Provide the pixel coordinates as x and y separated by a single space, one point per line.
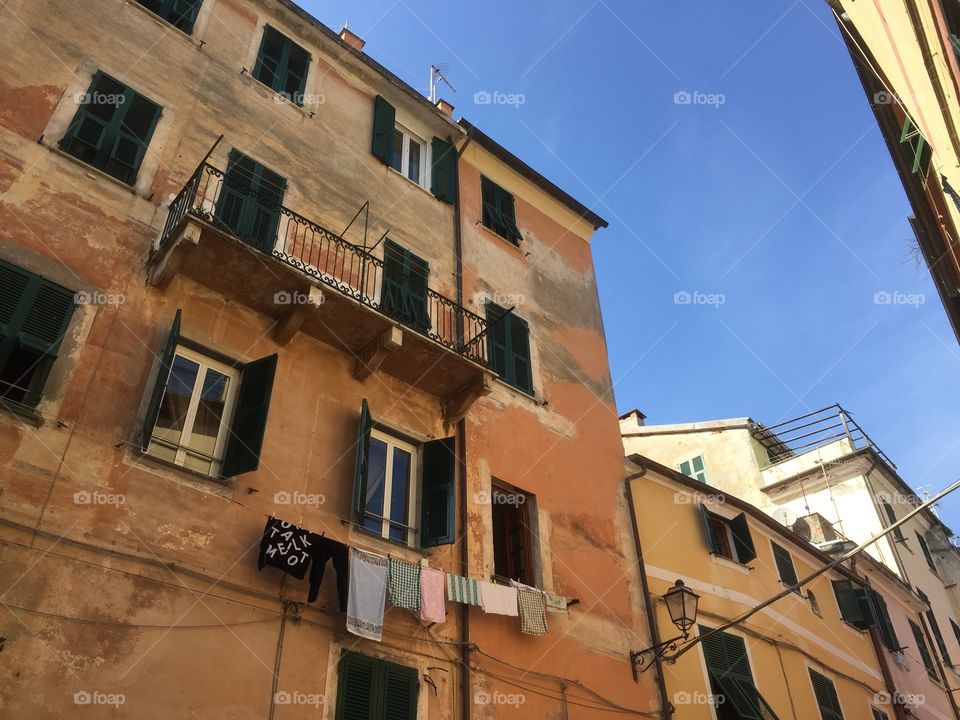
166 25
94 173
730 562
389 544
418 186
27 414
523 393
501 238
152 460
278 98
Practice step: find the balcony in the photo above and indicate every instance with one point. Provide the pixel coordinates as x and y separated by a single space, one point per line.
309 279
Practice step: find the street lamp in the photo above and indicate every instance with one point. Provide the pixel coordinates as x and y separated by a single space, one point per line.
681 603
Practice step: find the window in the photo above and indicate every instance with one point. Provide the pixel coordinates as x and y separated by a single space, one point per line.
924 651
206 413
926 552
785 568
728 538
730 678
826 694
282 65
499 211
892 518
112 128
392 474
693 468
856 604
879 714
182 14
250 200
512 535
371 689
935 628
404 293
34 315
508 347
814 603
396 146
919 149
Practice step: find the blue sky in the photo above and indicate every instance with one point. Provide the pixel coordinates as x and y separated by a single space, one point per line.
769 199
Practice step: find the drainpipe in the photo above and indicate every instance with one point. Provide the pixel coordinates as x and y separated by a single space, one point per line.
465 697
666 708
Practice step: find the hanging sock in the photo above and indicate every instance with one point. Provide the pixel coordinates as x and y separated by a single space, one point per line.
432 607
532 605
404 584
498 599
368 593
463 590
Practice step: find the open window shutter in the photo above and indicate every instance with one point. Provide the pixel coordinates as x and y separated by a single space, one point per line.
707 531
520 352
384 122
788 574
892 517
268 68
926 551
249 417
443 176
826 694
356 687
867 611
91 134
295 77
508 213
923 650
166 362
139 119
848 602
363 455
439 492
742 539
884 624
400 688
938 637
488 196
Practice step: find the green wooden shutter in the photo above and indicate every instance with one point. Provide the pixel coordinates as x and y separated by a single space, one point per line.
956 630
295 77
443 175
488 197
685 469
438 501
404 292
183 14
848 602
139 118
90 131
785 568
826 694
497 338
742 540
520 353
250 200
892 517
166 362
926 551
363 456
884 624
508 213
728 667
269 66
384 123
508 347
356 687
13 305
399 697
707 530
924 651
249 417
867 610
47 318
935 628
268 195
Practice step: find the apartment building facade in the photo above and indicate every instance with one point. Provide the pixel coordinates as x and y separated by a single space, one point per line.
250 274
822 476
906 57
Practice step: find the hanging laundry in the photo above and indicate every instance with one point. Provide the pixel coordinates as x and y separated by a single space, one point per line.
432 607
556 603
286 547
404 584
532 605
368 593
326 549
463 590
498 599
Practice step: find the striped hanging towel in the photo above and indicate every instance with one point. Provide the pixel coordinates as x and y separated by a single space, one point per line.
463 590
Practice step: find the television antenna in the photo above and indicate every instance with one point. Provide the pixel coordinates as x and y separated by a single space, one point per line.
437 74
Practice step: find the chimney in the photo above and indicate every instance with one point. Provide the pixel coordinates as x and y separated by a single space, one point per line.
445 107
352 39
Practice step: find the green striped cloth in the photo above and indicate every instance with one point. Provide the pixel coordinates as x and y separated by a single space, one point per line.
463 590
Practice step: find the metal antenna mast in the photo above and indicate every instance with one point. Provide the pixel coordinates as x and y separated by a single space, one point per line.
436 74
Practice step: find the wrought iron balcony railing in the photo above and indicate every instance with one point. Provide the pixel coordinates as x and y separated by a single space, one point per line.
324 257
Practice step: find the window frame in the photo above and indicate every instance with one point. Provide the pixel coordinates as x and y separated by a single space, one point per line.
712 521
171 4
425 160
392 441
696 475
206 362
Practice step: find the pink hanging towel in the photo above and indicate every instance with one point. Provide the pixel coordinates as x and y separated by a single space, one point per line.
433 609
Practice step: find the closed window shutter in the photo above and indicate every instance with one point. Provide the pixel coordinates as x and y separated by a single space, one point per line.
90 131
742 540
508 213
400 686
250 200
867 611
826 695
356 687
139 119
520 350
497 338
363 455
707 530
295 80
924 651
13 304
268 193
935 628
269 66
892 517
785 568
166 362
730 676
509 347
488 198
443 175
405 286
183 14
249 417
685 468
439 492
384 124
47 318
